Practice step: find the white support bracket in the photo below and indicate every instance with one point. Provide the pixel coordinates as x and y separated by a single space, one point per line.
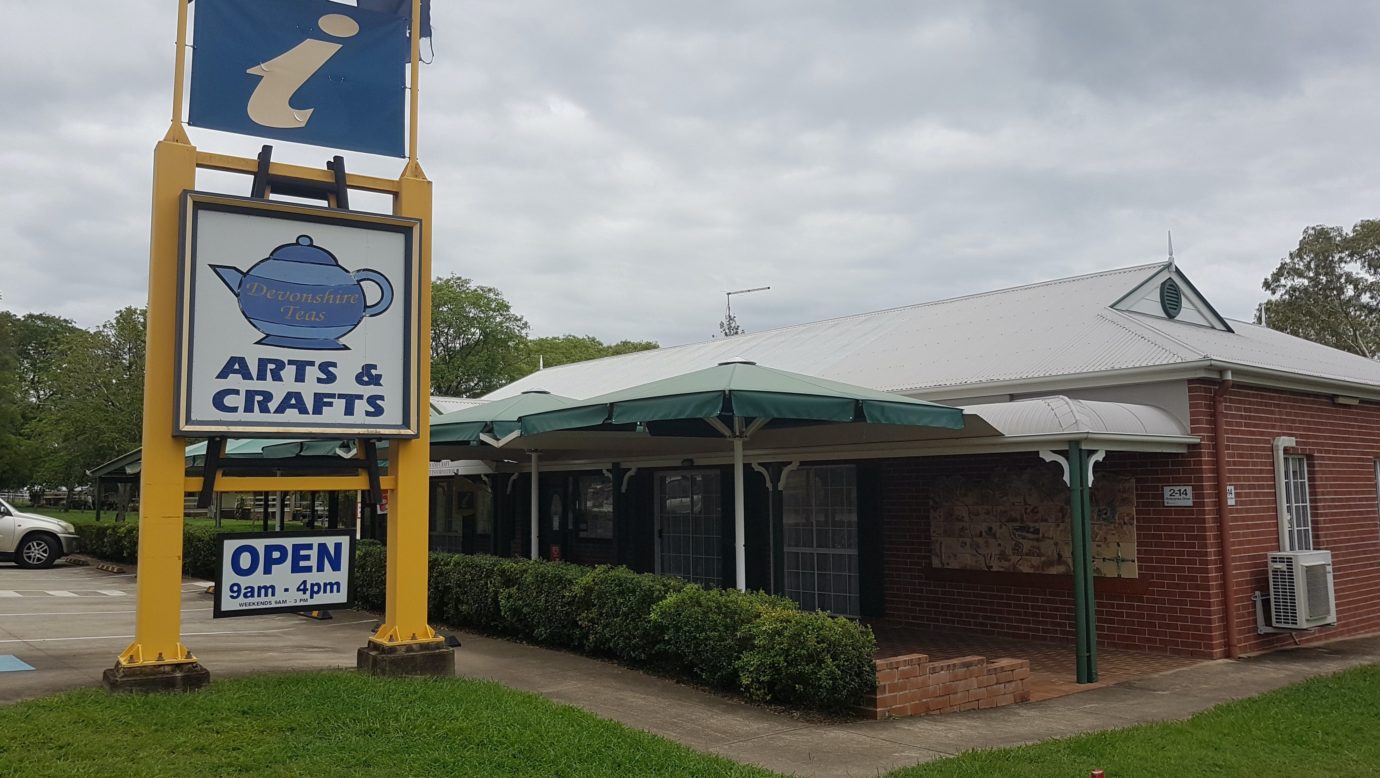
1092 460
785 471
1050 456
499 442
627 477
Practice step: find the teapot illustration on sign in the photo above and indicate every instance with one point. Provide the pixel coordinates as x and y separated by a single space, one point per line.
300 297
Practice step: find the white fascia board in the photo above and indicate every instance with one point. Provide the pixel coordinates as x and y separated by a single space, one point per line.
1203 368
1159 444
1296 382
1046 384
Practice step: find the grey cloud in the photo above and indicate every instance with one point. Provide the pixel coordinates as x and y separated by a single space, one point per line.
614 167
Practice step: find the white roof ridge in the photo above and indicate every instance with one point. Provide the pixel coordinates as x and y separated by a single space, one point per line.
972 296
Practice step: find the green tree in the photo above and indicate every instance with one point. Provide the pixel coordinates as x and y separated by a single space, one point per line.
38 341
1328 289
14 460
477 342
564 349
29 346
95 409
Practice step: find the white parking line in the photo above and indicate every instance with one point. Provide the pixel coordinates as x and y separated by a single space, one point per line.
131 637
63 593
111 592
9 593
89 613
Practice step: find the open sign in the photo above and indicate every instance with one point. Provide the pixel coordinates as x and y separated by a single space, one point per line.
280 572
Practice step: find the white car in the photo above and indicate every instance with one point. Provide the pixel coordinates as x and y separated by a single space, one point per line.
30 540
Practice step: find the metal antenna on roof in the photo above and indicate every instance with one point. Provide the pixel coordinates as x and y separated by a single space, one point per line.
729 326
1171 251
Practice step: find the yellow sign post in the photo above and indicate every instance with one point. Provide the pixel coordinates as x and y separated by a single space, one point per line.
405 644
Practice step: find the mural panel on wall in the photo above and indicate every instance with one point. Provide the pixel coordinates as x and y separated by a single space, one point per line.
1019 521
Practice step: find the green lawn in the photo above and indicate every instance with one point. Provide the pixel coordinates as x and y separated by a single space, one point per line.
337 723
1326 726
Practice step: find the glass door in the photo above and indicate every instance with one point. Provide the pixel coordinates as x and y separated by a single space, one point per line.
689 516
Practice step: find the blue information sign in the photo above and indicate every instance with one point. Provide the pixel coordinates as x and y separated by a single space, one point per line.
308 71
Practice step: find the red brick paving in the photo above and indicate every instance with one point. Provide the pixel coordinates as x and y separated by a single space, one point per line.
1051 664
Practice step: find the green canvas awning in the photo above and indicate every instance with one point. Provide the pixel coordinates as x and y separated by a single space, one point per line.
242 448
736 400
746 391
497 419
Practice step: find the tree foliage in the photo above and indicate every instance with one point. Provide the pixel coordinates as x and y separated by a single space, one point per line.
1328 289
38 348
477 342
13 459
30 345
94 407
565 349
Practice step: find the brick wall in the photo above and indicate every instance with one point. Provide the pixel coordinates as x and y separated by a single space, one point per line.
1173 605
912 685
1176 604
1342 444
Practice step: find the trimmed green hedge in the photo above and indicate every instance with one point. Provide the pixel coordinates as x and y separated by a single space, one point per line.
120 543
812 660
705 630
750 642
614 608
111 542
371 566
760 645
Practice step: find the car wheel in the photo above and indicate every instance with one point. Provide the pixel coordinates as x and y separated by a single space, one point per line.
36 551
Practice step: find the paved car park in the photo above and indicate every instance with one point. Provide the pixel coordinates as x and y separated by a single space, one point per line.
61 627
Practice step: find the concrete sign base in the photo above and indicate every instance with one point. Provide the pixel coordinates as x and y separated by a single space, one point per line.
181 677
415 659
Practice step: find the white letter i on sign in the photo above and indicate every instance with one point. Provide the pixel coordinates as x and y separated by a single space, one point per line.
281 77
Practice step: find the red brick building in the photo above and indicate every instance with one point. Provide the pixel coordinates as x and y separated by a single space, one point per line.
1196 426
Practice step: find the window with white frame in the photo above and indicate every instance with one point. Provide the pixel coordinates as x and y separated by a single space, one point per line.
1299 530
821 538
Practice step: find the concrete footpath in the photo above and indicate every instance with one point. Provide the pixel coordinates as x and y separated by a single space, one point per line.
747 733
61 627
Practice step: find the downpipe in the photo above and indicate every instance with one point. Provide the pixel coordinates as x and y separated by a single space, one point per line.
1219 437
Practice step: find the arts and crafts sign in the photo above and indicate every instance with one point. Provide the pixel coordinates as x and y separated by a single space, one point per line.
296 320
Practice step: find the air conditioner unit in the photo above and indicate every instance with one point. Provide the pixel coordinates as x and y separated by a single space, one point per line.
1301 594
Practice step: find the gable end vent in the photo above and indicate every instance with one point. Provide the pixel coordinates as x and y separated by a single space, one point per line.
1171 298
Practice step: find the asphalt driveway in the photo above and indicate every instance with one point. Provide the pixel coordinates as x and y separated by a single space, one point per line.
61 627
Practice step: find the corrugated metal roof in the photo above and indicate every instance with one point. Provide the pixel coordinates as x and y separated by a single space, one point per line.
1059 415
441 405
1043 330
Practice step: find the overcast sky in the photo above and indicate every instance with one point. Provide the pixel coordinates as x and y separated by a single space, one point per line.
614 167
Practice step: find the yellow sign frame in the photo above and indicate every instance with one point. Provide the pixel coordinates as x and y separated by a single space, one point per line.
157 646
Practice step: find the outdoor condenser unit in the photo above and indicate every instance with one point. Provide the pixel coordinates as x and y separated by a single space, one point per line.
1301 595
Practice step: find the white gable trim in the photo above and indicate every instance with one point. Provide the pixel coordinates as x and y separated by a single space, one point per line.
1195 309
